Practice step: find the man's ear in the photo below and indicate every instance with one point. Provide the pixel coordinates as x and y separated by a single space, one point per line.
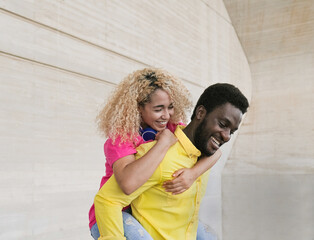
200 113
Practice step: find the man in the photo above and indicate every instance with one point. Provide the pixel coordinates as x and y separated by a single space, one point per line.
216 117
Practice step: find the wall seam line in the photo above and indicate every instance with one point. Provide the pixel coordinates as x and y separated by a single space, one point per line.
81 40
218 13
55 67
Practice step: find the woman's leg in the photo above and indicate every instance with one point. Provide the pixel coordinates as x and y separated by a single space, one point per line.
95 232
204 233
133 230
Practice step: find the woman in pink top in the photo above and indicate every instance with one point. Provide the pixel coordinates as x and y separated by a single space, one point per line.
146 98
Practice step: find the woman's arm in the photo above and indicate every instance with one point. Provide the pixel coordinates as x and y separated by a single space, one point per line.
184 178
110 200
131 174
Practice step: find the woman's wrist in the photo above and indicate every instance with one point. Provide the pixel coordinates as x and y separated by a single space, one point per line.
194 172
197 170
164 144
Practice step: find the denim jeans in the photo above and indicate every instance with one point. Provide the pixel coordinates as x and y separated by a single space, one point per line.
204 233
133 230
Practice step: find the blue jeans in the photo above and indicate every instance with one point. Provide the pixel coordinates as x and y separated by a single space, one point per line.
204 233
133 230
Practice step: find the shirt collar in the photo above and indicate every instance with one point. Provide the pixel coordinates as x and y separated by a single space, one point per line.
188 146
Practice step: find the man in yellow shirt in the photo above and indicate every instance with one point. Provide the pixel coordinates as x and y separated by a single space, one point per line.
216 116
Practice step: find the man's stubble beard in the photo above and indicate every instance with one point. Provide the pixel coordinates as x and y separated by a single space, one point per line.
200 140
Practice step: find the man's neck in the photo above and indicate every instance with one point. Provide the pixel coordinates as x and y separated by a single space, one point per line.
189 132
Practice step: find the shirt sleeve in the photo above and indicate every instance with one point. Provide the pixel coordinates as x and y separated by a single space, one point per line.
110 200
117 150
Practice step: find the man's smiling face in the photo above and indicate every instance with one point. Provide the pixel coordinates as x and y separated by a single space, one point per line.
217 128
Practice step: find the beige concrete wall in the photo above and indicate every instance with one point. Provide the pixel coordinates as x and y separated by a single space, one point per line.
268 181
59 60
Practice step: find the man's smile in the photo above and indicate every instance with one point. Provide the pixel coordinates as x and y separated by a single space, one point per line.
215 142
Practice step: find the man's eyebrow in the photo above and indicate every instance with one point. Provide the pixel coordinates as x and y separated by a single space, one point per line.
226 120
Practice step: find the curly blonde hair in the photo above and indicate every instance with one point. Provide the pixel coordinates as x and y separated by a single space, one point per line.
121 117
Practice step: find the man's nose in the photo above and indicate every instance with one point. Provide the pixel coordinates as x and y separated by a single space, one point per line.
226 135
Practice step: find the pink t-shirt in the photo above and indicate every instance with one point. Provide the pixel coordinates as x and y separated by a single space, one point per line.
115 151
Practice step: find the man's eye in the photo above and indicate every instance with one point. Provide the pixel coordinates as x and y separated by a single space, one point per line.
222 125
158 110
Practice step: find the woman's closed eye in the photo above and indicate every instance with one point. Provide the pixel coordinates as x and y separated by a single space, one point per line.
171 107
158 109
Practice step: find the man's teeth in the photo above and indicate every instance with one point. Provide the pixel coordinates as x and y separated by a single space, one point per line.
216 141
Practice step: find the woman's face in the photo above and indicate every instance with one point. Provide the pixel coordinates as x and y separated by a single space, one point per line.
158 111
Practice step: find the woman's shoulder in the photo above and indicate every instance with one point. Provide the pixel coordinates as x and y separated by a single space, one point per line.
120 145
115 149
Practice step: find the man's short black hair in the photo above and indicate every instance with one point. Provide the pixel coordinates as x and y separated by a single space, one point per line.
219 94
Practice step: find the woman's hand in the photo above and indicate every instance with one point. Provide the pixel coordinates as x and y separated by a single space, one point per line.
166 137
183 179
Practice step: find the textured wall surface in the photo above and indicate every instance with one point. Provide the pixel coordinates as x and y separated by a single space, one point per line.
59 60
268 181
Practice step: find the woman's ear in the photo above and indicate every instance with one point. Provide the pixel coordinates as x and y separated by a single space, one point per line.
200 112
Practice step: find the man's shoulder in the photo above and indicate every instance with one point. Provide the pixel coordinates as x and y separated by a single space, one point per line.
144 148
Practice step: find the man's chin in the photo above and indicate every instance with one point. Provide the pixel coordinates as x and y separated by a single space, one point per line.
208 153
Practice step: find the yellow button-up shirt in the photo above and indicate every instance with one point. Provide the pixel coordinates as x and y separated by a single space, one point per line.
163 215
